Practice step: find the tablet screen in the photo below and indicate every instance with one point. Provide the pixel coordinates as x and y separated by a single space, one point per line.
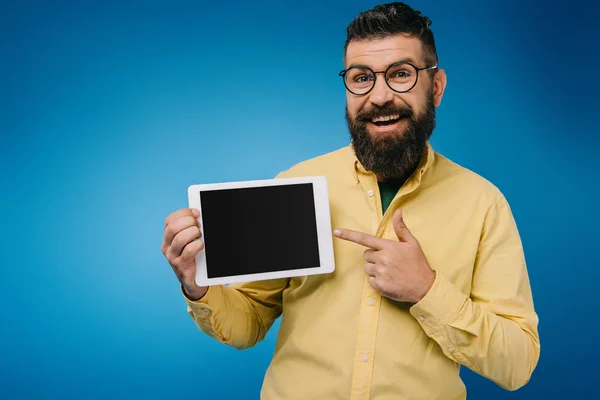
259 229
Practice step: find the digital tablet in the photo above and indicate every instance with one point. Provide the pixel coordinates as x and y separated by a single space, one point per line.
263 229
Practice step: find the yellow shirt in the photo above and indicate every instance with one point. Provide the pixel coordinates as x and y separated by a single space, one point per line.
340 339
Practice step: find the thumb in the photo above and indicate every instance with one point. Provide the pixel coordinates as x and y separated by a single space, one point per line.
400 227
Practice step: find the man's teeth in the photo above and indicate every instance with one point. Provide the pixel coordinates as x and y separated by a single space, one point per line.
386 118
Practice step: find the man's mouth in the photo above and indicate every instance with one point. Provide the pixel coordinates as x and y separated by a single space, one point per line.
386 120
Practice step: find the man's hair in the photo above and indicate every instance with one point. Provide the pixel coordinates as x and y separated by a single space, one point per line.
393 19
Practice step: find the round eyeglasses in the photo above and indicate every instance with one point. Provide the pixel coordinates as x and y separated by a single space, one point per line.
400 77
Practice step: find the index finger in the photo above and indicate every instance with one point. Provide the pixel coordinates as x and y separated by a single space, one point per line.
360 238
181 213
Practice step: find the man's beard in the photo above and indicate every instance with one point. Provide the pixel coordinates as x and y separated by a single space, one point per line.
394 154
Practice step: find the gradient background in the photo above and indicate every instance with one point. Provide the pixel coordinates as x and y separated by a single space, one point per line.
110 109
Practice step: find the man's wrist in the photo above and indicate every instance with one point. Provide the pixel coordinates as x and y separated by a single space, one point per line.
194 294
427 286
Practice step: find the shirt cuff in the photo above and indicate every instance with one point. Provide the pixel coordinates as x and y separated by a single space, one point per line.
439 306
202 310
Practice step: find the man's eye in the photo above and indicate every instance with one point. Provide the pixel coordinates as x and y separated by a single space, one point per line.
362 79
401 74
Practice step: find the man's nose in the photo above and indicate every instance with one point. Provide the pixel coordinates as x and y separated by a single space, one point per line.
381 92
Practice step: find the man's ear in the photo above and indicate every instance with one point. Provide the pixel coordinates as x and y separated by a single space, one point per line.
439 85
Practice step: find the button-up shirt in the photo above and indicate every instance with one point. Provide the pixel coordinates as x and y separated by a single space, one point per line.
340 339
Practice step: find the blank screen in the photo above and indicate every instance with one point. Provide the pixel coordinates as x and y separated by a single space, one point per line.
260 229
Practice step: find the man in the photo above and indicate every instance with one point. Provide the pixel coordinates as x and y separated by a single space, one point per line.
430 271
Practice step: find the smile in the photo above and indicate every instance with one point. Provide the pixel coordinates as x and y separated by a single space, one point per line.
385 123
386 118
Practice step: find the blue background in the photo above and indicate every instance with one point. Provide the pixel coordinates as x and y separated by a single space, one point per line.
110 109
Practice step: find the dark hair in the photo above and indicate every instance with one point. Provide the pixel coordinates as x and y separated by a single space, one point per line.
393 19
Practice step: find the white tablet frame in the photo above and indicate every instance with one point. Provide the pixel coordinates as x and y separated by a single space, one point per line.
323 222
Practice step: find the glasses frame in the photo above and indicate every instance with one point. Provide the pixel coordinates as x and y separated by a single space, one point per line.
344 71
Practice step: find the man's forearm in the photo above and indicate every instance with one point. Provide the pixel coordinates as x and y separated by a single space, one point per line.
238 315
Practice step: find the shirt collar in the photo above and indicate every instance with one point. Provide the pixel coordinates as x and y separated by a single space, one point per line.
427 159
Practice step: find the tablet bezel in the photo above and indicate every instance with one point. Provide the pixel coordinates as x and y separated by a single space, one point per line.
323 222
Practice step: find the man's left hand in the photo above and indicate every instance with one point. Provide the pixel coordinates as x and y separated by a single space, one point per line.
397 269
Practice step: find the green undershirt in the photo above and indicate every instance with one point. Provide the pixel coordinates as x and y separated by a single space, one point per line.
388 190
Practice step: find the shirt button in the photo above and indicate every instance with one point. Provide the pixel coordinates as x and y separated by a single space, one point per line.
451 350
371 302
365 358
421 318
204 309
370 193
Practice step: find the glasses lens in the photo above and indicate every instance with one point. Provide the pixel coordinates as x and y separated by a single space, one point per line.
401 77
359 80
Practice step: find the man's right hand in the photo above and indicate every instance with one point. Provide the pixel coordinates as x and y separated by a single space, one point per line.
181 242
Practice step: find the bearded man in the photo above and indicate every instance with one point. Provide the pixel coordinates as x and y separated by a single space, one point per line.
430 270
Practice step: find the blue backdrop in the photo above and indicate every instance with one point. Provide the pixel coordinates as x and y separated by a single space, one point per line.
110 109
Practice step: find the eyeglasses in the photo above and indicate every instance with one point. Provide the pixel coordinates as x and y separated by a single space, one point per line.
400 77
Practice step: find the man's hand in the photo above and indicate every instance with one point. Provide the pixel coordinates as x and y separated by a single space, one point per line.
397 270
181 242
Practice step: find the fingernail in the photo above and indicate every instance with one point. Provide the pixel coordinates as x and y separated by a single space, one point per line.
337 232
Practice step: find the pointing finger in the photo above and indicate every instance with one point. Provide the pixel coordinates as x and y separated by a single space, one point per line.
361 238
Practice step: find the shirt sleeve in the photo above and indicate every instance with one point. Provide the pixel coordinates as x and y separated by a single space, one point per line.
494 330
238 315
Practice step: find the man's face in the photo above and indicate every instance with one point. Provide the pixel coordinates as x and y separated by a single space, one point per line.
389 129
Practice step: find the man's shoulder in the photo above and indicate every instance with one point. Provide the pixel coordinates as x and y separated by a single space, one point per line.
461 179
323 164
